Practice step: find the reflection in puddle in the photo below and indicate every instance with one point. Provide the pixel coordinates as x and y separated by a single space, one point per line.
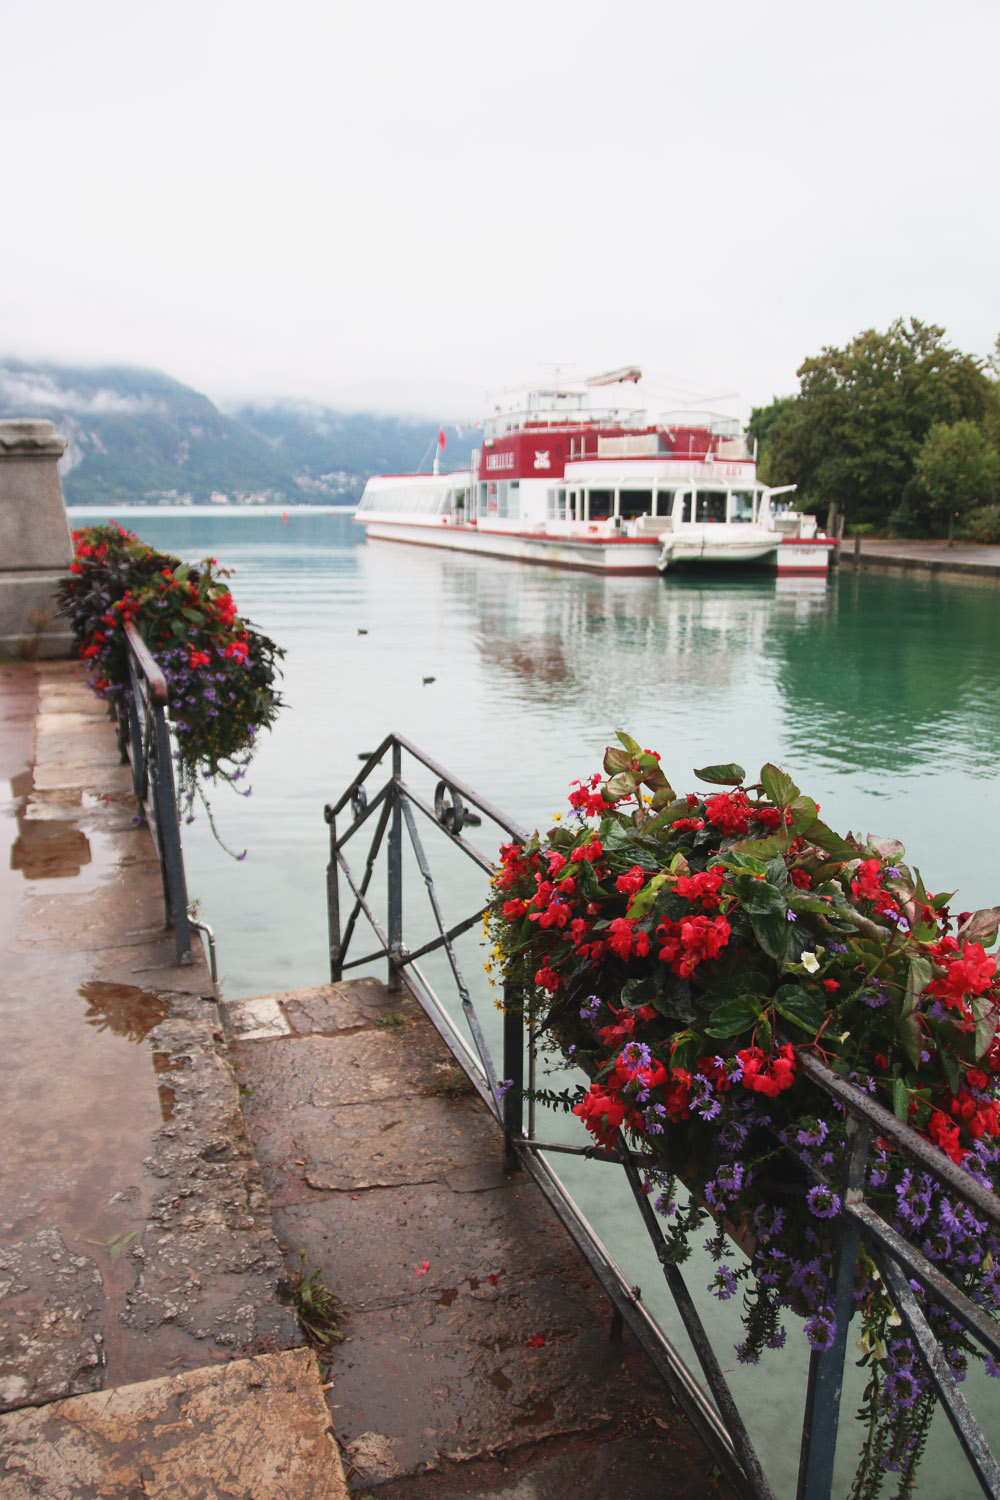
21 785
48 850
543 1412
122 1008
163 1062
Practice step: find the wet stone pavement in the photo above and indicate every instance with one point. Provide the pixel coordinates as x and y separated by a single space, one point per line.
476 1359
136 1242
170 1163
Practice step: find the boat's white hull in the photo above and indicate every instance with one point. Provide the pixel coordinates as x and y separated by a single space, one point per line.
591 554
764 551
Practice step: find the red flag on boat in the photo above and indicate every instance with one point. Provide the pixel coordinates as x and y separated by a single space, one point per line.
441 441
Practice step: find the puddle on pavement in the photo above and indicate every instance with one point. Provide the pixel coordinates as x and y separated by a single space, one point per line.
543 1412
20 786
122 1008
499 1379
49 851
164 1063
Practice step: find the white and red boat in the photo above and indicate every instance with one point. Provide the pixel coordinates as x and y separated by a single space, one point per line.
609 490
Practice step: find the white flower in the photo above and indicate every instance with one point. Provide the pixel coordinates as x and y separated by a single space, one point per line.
810 962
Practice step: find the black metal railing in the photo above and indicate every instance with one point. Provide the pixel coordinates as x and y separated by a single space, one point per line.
385 812
142 725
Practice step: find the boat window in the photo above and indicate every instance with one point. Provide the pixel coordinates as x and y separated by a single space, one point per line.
555 505
664 502
686 506
503 499
741 506
711 505
635 503
601 504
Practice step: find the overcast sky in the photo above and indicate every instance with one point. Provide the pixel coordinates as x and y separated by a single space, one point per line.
402 206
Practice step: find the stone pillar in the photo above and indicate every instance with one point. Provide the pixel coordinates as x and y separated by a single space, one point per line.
35 545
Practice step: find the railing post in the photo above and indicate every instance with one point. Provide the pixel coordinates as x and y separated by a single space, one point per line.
513 1075
169 836
821 1418
333 900
395 872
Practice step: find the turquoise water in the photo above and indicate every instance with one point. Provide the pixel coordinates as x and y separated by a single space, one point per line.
879 694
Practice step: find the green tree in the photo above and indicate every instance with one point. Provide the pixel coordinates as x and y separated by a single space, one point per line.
766 427
854 432
958 469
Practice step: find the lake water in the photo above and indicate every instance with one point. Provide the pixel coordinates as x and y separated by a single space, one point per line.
880 694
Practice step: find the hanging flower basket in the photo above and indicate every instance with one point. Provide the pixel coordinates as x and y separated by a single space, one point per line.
221 672
685 951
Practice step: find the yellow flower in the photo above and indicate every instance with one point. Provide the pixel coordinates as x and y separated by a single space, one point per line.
557 817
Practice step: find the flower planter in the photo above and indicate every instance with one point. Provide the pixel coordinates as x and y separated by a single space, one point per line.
686 951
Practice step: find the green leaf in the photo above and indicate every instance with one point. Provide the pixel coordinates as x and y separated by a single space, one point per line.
734 1017
676 808
799 1007
981 927
772 933
587 882
656 781
686 1050
805 901
630 844
616 760
729 774
632 746
986 1015
639 991
758 898
776 873
775 843
780 789
624 784
900 1100
644 900
910 1037
803 811
918 977
740 860
890 851
824 838
677 1006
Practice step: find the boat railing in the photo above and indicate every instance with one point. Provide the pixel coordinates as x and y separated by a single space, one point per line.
145 738
590 419
385 801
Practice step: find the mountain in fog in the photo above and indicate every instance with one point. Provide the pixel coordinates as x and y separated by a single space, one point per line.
136 435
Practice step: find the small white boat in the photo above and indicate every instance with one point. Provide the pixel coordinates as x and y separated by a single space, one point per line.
713 522
608 490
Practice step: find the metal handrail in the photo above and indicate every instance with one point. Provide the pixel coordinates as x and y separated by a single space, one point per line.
142 722
717 1421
